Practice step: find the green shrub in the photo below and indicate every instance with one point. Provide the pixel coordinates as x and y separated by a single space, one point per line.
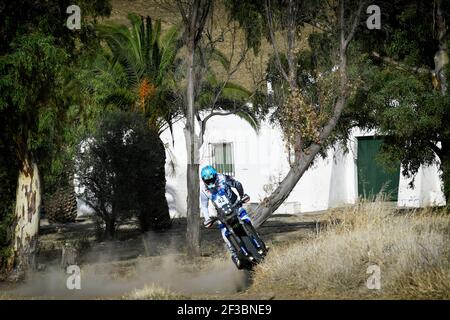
122 170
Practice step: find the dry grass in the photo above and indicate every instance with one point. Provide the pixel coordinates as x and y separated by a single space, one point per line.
153 293
412 251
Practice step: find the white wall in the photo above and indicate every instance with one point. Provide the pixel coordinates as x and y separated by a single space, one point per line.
427 190
261 162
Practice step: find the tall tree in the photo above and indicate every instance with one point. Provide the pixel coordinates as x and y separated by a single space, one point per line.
35 52
194 14
139 72
35 61
208 94
404 95
308 124
136 72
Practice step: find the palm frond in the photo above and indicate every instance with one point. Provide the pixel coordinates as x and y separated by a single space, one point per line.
235 91
219 56
146 59
251 119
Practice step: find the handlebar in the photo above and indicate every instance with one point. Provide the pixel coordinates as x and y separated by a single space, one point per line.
244 199
241 201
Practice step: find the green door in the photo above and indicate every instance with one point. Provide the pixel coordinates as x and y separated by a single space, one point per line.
373 177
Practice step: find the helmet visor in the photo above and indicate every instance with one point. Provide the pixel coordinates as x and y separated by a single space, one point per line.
210 183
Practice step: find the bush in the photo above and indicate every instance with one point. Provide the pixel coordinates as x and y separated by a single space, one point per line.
122 171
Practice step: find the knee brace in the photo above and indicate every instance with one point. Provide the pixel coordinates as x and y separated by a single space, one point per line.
225 234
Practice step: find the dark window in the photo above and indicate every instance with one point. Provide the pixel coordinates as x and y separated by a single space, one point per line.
222 157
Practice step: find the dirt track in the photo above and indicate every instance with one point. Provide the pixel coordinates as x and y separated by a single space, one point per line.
113 268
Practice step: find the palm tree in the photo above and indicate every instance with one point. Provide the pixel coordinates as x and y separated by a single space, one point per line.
139 72
139 69
135 72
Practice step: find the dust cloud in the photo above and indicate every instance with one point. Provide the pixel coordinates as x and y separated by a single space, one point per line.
170 270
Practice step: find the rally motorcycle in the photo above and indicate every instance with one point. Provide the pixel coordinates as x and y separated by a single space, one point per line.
248 245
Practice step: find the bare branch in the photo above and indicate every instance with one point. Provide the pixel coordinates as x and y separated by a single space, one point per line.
230 73
355 22
234 111
209 116
212 114
272 39
341 100
291 43
202 21
182 12
400 65
166 125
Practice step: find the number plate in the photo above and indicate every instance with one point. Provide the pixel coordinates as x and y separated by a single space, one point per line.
221 201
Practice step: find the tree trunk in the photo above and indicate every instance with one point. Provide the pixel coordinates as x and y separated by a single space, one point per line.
440 60
28 204
194 15
445 169
268 206
441 56
110 228
192 170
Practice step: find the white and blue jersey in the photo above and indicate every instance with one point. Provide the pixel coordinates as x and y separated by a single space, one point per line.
224 184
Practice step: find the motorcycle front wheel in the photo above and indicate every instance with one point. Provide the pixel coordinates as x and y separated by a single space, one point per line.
251 232
252 249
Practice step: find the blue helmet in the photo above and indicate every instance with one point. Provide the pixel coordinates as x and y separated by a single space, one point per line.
209 176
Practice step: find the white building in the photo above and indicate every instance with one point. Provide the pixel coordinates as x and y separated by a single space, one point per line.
260 161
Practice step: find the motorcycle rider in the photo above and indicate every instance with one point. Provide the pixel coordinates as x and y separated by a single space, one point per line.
212 180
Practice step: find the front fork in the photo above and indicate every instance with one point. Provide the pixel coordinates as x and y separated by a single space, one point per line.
238 245
233 244
243 216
